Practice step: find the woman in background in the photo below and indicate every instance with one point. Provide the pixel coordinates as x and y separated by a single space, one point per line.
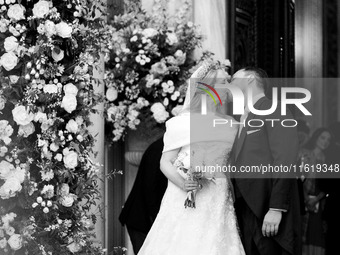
313 225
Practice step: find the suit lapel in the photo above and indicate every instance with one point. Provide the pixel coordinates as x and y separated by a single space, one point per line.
241 139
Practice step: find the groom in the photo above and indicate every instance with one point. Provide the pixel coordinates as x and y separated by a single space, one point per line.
267 208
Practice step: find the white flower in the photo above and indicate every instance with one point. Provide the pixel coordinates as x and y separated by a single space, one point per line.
34 205
2 103
46 210
74 247
41 8
70 89
26 130
71 159
6 131
111 112
64 30
11 43
149 32
5 169
8 218
3 243
16 12
111 94
10 188
54 147
69 103
50 88
50 29
8 61
18 173
39 200
48 191
57 55
58 157
67 200
10 231
15 242
14 78
47 175
3 25
72 126
64 190
171 38
180 57
159 68
176 110
159 112
21 115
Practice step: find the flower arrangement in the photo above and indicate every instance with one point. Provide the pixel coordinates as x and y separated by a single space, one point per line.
149 62
48 181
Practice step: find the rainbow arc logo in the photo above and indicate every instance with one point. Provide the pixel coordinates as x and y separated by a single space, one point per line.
209 93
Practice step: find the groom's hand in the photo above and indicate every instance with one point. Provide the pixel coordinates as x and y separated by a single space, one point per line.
271 222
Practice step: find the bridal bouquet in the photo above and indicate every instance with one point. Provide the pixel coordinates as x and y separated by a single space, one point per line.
182 163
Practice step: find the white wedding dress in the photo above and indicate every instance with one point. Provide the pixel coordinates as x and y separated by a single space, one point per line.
211 227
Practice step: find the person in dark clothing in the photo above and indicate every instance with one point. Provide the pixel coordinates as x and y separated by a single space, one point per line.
332 187
143 203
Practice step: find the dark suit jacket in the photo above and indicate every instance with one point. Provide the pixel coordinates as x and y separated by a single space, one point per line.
274 146
142 205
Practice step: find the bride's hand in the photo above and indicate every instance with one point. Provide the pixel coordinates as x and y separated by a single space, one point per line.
190 185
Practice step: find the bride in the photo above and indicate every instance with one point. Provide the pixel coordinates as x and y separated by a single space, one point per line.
210 227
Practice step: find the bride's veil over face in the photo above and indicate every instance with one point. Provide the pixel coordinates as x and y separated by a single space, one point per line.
206 74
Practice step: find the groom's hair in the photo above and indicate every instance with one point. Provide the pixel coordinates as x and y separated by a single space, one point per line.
260 75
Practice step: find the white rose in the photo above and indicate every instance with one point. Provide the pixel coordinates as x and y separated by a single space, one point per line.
149 32
67 200
3 25
111 94
50 28
69 103
51 88
9 60
63 30
171 38
16 12
159 112
57 56
15 242
72 126
74 247
5 169
71 159
70 89
22 116
10 188
41 8
26 130
2 103
64 190
11 43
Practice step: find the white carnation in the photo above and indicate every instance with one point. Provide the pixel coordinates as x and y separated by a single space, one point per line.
64 30
10 188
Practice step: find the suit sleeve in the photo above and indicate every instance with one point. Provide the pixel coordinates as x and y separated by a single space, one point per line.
283 143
